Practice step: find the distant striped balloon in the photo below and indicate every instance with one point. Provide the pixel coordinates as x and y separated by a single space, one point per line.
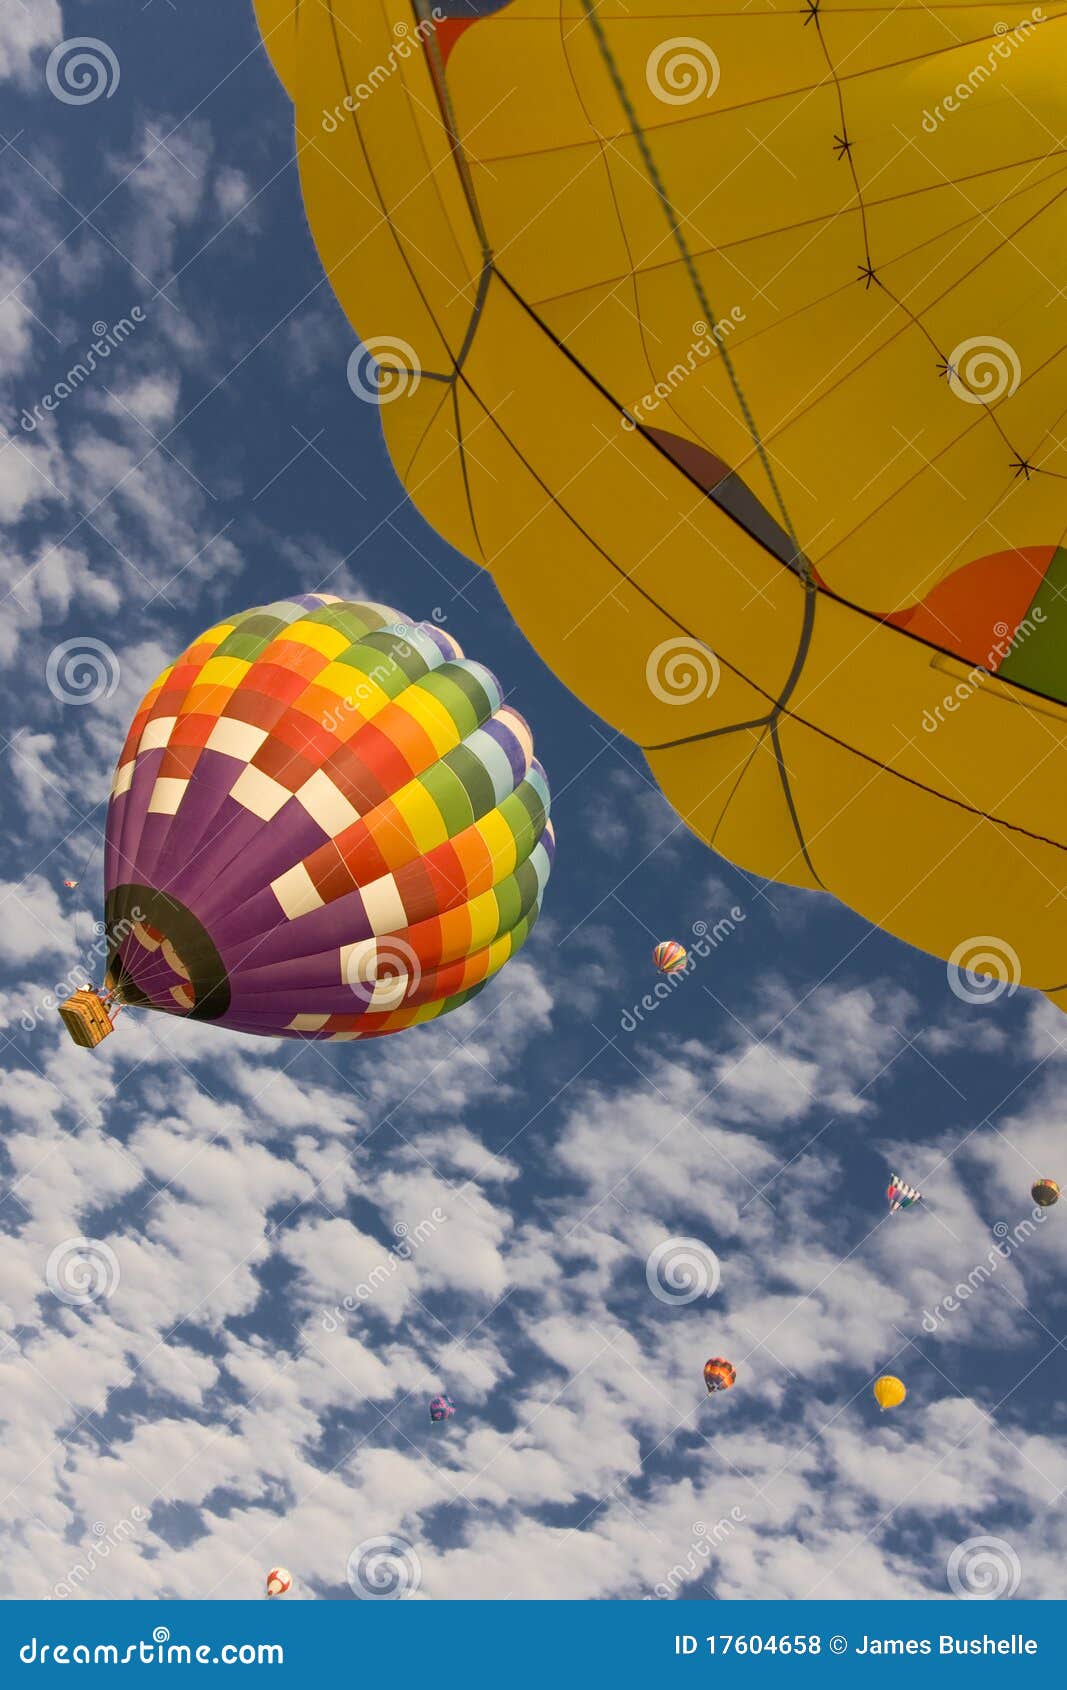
325 824
669 956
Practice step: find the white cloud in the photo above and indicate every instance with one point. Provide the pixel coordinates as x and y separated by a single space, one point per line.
25 31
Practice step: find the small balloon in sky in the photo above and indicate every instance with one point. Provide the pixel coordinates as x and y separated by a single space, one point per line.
889 1392
900 1194
669 956
719 1374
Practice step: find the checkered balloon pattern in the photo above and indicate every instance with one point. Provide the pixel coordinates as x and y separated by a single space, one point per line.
324 824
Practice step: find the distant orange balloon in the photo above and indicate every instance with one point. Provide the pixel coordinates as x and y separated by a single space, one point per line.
719 1374
279 1581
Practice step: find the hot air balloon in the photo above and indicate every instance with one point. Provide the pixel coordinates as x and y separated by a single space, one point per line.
279 1581
441 1408
900 1194
1045 1192
669 956
767 462
889 1392
70 884
719 1374
325 824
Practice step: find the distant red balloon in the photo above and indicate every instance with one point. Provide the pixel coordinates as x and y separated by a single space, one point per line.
279 1580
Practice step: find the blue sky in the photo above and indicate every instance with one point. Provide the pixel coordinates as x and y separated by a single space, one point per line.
209 1413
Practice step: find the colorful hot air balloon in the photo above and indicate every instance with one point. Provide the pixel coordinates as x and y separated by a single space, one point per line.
441 1408
669 956
900 1194
889 1392
719 1374
325 824
768 463
1045 1192
279 1581
70 884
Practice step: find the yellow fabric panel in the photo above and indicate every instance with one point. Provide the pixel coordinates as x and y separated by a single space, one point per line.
329 641
373 206
421 435
942 875
829 398
665 537
729 792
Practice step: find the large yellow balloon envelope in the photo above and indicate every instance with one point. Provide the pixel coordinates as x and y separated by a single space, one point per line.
731 340
889 1392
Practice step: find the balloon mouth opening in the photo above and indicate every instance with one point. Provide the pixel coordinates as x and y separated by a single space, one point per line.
161 957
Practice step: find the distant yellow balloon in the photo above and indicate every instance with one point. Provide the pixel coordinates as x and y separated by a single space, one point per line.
734 349
889 1392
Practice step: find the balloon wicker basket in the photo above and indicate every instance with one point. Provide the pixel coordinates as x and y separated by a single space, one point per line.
87 1018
